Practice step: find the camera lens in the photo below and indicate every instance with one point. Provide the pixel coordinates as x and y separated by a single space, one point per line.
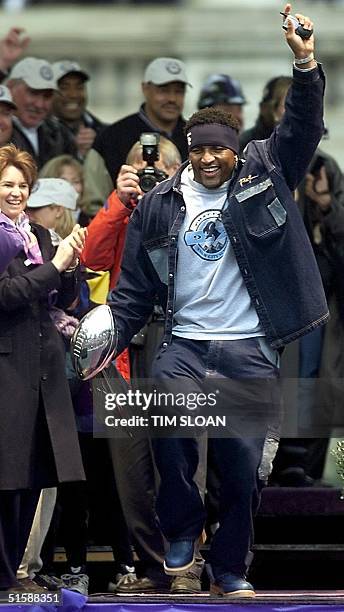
147 182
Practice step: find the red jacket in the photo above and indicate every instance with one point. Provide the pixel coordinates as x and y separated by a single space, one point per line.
106 237
104 249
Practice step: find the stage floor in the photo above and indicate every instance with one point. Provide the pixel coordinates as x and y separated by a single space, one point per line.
265 601
262 597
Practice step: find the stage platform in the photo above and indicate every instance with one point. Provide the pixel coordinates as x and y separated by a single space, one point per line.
265 601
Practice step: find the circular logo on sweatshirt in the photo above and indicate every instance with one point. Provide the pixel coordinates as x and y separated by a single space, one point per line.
207 236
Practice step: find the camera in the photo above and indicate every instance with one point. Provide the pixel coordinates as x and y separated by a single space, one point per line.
150 176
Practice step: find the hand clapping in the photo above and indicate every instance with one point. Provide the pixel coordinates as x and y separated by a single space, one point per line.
70 249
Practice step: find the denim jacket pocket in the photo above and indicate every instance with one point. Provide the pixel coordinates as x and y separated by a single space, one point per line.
262 210
158 255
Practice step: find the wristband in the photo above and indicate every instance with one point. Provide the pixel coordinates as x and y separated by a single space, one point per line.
305 60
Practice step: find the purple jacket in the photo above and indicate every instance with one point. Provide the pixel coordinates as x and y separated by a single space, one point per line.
10 243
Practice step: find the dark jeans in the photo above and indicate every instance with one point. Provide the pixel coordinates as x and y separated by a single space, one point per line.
179 506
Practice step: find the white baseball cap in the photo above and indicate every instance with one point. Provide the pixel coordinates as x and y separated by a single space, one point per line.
165 70
36 73
50 191
6 96
64 67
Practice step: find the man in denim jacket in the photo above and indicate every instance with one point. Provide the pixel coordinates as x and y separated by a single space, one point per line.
224 247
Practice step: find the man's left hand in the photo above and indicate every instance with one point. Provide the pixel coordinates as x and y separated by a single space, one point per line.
301 47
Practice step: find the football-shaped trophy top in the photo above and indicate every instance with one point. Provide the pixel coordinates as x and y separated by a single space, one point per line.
94 342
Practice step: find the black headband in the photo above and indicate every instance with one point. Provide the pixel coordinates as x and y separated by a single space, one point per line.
213 134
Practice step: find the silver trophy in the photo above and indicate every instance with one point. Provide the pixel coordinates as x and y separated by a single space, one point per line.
94 342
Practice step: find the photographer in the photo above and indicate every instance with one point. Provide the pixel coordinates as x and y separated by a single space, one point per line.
107 231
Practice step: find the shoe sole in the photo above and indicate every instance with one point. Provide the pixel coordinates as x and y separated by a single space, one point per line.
185 592
216 590
142 593
173 571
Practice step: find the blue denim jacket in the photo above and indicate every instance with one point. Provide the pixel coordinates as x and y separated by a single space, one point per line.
262 221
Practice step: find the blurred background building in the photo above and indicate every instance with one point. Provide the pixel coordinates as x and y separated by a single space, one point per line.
114 39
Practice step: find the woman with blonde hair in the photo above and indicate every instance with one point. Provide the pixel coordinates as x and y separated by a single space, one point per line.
52 204
71 170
